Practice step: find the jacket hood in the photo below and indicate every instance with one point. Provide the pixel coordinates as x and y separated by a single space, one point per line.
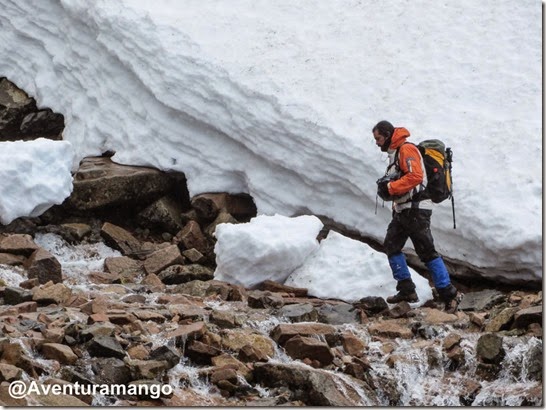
399 136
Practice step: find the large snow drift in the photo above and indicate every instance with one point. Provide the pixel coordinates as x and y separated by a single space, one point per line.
277 99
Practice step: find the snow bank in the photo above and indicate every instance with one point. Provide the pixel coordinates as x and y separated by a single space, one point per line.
277 99
345 269
267 247
35 176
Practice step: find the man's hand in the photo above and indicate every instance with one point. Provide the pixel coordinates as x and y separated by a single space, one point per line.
383 191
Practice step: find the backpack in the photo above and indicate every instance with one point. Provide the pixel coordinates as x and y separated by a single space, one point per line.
437 159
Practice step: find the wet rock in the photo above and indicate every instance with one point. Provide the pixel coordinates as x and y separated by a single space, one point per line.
249 353
201 353
235 339
283 332
101 183
120 239
352 344
149 315
391 329
163 213
12 260
18 244
162 259
138 299
372 305
104 346
451 340
489 348
44 266
146 369
111 370
501 321
224 319
227 360
188 332
56 351
9 373
300 347
57 293
482 300
313 387
166 353
74 232
53 335
178 274
14 296
258 299
300 312
524 317
138 352
338 314
153 283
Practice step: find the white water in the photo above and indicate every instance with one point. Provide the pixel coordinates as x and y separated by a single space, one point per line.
416 382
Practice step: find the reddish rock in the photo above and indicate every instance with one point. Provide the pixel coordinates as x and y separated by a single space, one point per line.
281 333
44 266
300 347
190 237
120 239
162 259
18 244
62 353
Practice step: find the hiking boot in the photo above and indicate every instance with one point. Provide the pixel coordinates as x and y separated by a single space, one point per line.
452 305
406 292
403 297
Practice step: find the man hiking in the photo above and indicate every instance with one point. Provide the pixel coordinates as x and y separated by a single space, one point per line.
404 184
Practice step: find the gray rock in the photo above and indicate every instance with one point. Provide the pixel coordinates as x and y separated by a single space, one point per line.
15 104
44 266
300 312
164 213
42 124
100 183
111 370
14 296
166 353
103 346
338 314
489 348
482 300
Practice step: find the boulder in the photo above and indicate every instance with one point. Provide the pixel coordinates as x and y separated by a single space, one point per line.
222 218
120 239
162 259
315 387
352 344
57 293
236 339
184 333
300 347
104 346
166 353
209 205
18 244
258 299
372 305
501 321
201 353
101 183
146 369
177 274
300 312
9 373
42 124
123 266
489 348
283 332
110 370
525 317
280 288
62 353
482 300
193 255
15 104
190 237
338 314
14 296
391 329
163 214
44 266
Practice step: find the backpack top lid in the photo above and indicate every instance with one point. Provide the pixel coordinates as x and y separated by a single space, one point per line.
434 144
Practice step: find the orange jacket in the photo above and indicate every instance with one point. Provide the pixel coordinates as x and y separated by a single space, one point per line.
409 160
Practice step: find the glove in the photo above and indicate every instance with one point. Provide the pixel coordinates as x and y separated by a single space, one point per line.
383 190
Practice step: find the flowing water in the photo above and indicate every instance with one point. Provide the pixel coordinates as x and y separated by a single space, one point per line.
421 374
